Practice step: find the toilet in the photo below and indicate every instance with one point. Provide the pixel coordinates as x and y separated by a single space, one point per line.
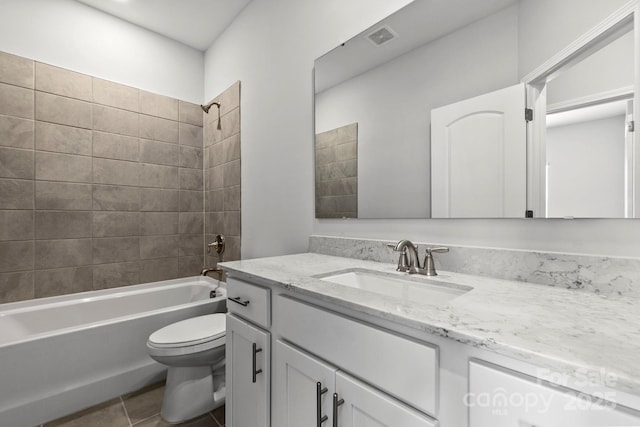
194 351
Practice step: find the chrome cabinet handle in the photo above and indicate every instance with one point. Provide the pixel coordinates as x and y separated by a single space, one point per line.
336 403
319 392
255 372
238 300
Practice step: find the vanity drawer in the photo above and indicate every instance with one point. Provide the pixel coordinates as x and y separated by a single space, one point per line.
402 367
249 301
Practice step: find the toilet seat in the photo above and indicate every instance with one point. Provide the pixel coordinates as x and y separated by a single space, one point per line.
208 329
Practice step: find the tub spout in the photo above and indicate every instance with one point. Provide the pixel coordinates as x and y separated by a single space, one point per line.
205 271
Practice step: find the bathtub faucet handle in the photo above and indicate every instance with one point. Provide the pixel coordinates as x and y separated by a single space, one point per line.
217 245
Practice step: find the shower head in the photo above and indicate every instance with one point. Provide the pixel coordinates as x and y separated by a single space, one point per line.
207 107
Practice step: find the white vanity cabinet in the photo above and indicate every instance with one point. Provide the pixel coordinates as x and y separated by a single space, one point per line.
320 354
248 355
502 398
310 392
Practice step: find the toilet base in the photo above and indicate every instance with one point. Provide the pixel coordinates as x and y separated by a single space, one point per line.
190 392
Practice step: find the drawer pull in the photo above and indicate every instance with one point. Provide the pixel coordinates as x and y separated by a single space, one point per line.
319 392
256 350
336 403
238 300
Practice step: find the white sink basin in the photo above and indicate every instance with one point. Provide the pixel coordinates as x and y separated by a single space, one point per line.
411 288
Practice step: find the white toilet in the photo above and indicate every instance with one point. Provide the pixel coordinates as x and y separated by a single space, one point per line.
194 350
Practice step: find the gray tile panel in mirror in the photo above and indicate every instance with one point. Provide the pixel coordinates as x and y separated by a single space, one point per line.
610 276
454 59
101 184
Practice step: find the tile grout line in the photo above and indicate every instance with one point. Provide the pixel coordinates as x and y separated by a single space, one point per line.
126 413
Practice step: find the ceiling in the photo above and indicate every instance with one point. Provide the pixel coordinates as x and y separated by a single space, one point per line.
195 23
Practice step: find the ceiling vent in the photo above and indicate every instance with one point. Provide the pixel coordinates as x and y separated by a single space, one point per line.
381 36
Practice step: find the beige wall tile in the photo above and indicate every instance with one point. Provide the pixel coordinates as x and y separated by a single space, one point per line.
191 179
114 120
116 95
158 269
159 153
215 200
16 132
230 124
152 247
158 129
16 256
232 198
63 139
113 275
63 196
190 113
115 249
62 167
231 173
191 201
190 222
63 82
116 224
190 135
62 253
190 157
16 225
162 200
231 148
61 110
116 172
16 101
16 70
62 224
232 223
16 286
158 223
62 281
192 245
233 248
116 198
190 265
215 177
16 163
16 194
158 176
215 223
114 146
158 105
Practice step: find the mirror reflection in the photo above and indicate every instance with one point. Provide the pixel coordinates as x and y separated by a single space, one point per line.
388 81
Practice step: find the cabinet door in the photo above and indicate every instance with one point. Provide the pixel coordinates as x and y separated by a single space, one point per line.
358 405
248 353
501 398
303 387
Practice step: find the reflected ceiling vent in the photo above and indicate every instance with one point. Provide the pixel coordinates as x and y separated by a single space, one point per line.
381 36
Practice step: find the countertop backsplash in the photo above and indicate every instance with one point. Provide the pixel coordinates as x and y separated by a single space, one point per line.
610 276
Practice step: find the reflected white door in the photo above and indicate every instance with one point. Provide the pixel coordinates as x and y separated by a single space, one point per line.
478 156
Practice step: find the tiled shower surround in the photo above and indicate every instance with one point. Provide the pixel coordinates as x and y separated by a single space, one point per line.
101 184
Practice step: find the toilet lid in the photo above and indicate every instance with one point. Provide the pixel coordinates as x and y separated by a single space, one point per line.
196 330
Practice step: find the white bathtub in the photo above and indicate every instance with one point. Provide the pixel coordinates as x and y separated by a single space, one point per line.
62 354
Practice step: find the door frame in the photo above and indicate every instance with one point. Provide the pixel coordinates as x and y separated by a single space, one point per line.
618 23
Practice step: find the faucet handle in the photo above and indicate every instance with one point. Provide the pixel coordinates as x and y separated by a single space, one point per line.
429 265
438 249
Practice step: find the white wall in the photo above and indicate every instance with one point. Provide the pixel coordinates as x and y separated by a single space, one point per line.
393 114
271 48
586 169
74 36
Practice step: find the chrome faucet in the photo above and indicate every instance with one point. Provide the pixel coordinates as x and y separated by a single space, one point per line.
410 263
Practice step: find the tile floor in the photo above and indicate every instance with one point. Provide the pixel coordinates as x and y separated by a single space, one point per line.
138 409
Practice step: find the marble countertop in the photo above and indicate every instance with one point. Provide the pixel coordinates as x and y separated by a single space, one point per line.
567 332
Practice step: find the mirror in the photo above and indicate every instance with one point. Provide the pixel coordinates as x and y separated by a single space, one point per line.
386 81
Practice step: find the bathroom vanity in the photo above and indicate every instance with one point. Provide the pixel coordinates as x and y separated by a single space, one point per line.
317 340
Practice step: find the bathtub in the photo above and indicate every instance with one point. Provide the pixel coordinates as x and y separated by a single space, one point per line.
61 354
